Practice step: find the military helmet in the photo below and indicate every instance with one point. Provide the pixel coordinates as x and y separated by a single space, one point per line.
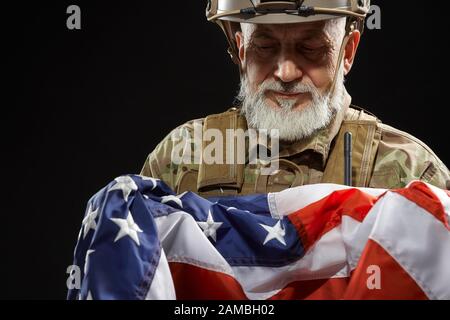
228 14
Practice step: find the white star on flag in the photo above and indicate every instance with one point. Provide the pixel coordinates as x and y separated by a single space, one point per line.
126 184
89 221
275 232
127 228
210 227
175 199
153 180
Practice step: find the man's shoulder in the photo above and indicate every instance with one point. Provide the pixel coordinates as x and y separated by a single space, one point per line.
191 125
161 155
188 127
393 138
160 162
404 156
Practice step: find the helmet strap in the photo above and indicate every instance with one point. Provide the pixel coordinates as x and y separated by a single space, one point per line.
349 28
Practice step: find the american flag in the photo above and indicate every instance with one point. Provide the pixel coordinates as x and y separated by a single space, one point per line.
139 240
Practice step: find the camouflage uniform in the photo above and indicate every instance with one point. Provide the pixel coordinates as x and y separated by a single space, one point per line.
385 158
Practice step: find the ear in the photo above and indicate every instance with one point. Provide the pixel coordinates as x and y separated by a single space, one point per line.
350 50
239 36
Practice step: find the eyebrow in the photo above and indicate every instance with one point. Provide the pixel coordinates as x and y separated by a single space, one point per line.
262 34
307 35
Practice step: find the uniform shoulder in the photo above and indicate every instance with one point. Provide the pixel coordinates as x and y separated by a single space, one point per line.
404 157
160 158
189 126
159 163
389 134
398 138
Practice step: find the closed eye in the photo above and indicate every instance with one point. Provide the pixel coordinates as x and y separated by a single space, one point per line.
265 50
314 53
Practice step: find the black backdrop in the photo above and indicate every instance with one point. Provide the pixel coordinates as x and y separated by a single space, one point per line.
90 104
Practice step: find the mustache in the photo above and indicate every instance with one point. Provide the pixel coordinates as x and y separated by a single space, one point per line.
287 87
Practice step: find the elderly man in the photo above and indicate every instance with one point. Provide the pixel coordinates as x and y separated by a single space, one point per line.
293 57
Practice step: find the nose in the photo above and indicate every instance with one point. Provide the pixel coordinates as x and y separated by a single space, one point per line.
287 70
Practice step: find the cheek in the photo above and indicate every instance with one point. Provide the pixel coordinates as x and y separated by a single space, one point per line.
257 71
321 77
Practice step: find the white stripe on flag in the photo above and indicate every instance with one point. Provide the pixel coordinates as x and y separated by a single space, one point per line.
444 198
290 200
355 234
417 241
184 241
326 259
162 285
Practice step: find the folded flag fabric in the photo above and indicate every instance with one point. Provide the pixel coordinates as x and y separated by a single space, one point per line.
139 240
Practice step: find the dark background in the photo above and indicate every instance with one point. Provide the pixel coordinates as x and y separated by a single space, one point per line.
89 105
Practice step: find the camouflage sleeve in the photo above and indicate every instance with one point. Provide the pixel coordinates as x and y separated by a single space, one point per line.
402 158
160 163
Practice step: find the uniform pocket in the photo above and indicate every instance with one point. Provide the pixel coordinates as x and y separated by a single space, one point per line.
386 178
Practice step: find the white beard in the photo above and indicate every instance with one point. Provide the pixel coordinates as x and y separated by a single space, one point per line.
292 124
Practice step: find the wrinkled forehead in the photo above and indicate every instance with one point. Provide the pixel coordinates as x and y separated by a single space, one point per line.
285 31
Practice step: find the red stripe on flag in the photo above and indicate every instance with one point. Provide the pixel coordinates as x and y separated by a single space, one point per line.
195 283
394 282
318 218
321 289
419 193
